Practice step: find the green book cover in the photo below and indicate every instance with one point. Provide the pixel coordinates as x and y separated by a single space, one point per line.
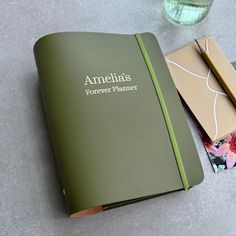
117 126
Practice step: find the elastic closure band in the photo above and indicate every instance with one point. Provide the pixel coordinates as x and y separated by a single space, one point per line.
165 112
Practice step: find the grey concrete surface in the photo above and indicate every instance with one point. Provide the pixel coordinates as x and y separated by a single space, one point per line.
31 201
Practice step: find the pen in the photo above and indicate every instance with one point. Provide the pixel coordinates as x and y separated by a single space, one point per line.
216 72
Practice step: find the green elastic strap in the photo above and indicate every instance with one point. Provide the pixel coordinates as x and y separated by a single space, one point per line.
165 112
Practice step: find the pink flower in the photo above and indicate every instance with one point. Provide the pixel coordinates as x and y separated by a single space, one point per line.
228 148
218 152
231 146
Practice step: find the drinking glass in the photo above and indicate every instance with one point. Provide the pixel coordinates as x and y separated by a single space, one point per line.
186 12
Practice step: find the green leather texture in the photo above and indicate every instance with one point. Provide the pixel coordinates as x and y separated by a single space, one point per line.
111 147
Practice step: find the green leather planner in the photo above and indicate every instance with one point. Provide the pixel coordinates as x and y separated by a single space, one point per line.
117 126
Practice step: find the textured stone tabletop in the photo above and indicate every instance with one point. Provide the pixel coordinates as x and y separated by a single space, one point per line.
31 201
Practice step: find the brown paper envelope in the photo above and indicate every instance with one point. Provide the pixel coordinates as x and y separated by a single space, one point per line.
200 89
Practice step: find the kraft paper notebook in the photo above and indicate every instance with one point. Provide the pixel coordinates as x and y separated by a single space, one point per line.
201 90
117 126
